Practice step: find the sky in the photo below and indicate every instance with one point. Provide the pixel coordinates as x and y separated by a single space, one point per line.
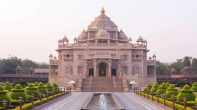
31 28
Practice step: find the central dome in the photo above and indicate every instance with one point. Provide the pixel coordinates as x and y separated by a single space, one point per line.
102 28
103 22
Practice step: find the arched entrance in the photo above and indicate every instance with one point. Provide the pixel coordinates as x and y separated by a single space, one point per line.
91 72
102 69
114 69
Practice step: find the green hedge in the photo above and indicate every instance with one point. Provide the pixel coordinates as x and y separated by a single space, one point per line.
167 102
28 106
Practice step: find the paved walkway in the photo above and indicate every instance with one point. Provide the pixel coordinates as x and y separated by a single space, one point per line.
76 100
130 101
73 102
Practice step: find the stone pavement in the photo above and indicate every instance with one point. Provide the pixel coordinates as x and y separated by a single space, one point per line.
76 100
130 101
73 102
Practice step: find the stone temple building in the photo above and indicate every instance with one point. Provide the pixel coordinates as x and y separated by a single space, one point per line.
102 58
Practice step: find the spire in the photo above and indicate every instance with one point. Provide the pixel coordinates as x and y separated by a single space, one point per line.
103 11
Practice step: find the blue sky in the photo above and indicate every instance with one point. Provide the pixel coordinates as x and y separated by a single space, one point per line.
31 28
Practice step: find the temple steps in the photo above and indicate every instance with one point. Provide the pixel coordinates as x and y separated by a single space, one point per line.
102 84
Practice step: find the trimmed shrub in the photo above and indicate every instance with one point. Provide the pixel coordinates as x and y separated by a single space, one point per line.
31 92
194 87
55 88
16 94
185 94
162 89
42 90
49 89
171 92
147 89
154 89
3 97
7 86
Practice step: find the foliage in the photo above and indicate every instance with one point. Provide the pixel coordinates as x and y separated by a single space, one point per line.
31 92
29 106
17 94
147 89
162 89
3 97
7 86
167 102
171 92
185 94
187 61
154 89
55 88
37 92
162 68
10 65
194 87
180 83
194 65
42 90
178 65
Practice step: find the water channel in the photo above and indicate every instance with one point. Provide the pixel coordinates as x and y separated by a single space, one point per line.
102 101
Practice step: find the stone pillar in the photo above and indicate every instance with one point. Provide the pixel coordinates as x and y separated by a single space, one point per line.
108 42
119 74
96 42
94 63
109 69
85 70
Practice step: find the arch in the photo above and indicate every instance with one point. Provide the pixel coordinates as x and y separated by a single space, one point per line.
114 69
102 69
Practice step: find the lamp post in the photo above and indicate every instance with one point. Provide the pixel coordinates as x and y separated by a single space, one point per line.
174 104
32 100
155 67
4 103
185 103
164 100
20 102
163 96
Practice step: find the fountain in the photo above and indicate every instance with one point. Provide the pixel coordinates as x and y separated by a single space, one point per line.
102 101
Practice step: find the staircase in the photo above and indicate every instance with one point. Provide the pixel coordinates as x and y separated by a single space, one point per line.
102 84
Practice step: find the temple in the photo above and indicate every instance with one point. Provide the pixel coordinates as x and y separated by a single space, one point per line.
102 58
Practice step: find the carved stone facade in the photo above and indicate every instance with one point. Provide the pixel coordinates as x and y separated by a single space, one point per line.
102 51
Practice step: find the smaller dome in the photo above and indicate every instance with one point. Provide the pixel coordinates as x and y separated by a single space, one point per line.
122 35
102 34
83 35
130 39
140 39
65 39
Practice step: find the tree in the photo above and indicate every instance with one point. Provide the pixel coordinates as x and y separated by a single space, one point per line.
9 65
162 68
187 61
178 65
194 65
